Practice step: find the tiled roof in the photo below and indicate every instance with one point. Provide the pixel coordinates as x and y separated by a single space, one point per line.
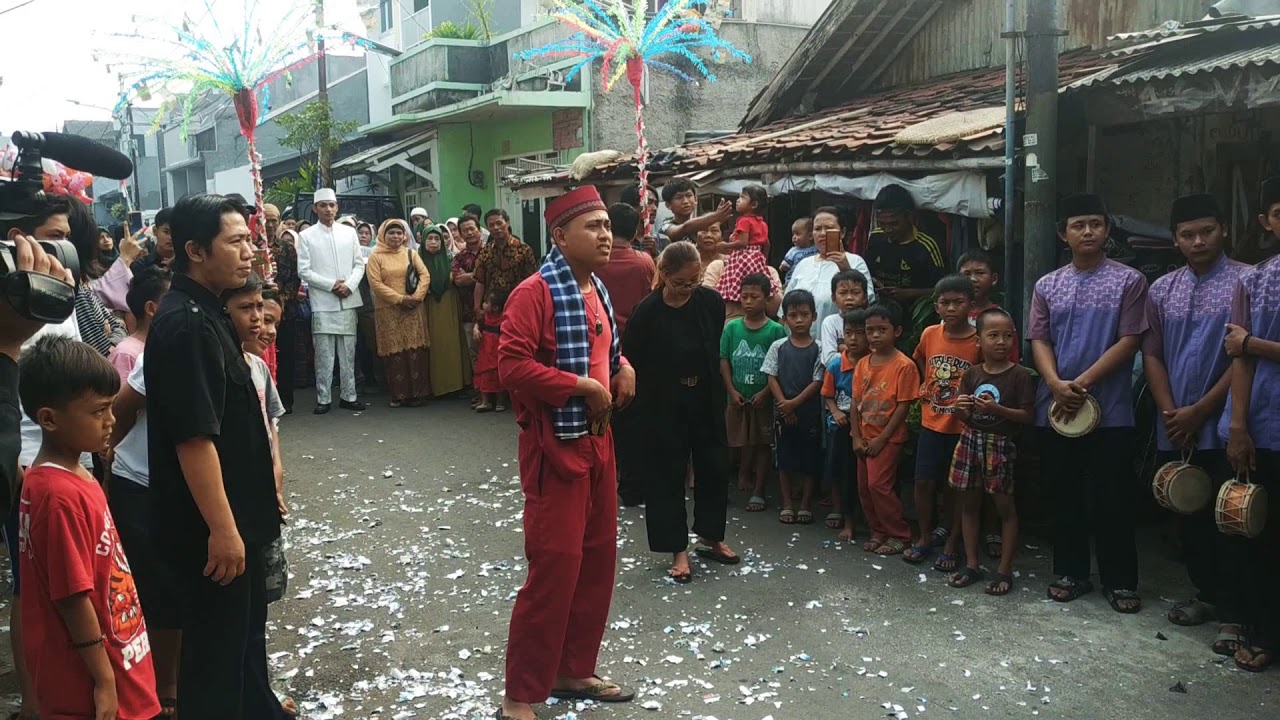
863 129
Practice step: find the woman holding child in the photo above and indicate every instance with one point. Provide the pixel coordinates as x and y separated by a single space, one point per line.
673 342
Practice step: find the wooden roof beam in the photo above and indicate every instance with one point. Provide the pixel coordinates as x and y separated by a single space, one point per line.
839 54
880 36
915 30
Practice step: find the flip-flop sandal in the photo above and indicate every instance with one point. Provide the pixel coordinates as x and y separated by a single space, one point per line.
917 554
787 516
1074 588
1254 653
835 520
683 578
598 692
1115 597
1191 613
1222 643
804 517
946 562
939 536
872 543
499 715
756 504
964 577
287 704
892 546
993 587
715 555
993 545
484 409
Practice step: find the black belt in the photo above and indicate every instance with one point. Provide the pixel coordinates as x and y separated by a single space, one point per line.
688 381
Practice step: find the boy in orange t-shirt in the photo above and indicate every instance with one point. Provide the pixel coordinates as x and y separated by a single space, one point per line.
946 351
885 383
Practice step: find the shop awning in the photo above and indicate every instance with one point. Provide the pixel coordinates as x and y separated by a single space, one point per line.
397 152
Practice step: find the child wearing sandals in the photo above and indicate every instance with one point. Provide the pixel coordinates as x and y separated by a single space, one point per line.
837 392
749 414
996 400
885 384
794 368
486 377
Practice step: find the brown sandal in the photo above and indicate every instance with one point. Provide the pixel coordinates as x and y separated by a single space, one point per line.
603 691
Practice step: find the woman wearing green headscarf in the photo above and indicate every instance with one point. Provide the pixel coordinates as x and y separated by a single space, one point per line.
444 315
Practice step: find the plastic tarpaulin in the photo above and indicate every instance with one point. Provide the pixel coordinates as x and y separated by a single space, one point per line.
958 193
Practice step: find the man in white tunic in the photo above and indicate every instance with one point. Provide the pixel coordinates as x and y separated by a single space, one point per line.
330 262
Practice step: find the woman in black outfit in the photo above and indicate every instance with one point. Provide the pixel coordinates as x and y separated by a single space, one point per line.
673 342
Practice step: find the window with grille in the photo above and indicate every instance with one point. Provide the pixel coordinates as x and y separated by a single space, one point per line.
207 141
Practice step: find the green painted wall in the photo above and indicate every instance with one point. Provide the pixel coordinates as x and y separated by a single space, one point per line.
523 133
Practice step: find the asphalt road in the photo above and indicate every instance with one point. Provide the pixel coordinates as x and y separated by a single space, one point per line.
406 553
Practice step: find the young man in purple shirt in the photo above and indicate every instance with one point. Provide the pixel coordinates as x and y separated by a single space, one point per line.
1187 370
1251 427
1087 320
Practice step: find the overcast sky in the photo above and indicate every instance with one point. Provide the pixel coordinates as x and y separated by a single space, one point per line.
48 50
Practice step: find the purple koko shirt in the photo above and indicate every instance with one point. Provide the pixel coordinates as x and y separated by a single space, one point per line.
1082 314
1256 307
1187 317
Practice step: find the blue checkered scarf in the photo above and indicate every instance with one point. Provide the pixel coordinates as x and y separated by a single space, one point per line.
573 338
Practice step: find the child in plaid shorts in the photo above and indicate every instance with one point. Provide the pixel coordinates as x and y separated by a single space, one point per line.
996 399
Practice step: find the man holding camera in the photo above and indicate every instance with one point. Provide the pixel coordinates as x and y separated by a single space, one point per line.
30 280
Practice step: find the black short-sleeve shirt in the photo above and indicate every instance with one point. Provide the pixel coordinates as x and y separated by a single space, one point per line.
199 385
911 265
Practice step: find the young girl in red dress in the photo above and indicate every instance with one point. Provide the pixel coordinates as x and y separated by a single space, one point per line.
487 353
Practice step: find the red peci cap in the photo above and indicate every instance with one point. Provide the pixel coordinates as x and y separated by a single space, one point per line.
572 204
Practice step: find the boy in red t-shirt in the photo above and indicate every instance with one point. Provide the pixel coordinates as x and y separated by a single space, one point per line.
981 270
86 641
750 245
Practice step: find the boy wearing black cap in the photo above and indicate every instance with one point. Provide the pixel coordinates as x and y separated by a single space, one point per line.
1251 427
1187 370
1087 321
904 262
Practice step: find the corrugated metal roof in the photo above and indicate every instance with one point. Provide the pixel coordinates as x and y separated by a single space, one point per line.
1191 50
1238 59
863 129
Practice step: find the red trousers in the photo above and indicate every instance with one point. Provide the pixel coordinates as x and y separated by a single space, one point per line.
570 539
877 481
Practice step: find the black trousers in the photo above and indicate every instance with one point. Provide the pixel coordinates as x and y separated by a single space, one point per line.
1202 544
629 455
130 505
223 672
1092 488
1251 568
286 356
687 428
366 350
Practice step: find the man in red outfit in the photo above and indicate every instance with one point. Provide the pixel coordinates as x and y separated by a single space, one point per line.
559 357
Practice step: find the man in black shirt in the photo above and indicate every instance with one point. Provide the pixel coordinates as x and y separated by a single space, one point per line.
905 262
213 489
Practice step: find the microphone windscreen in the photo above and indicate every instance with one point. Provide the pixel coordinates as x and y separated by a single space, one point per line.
85 155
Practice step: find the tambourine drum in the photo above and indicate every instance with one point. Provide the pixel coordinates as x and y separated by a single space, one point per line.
1241 509
1082 423
1181 487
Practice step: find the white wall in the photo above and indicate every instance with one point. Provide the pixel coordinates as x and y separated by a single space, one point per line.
235 180
787 12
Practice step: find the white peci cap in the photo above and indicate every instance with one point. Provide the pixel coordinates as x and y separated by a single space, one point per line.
418 211
325 195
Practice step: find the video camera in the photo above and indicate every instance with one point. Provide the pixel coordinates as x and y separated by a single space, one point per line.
34 295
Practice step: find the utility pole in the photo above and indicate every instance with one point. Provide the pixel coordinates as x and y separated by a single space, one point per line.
1039 221
1012 258
323 97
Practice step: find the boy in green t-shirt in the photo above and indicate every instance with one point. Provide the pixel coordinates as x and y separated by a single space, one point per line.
749 416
